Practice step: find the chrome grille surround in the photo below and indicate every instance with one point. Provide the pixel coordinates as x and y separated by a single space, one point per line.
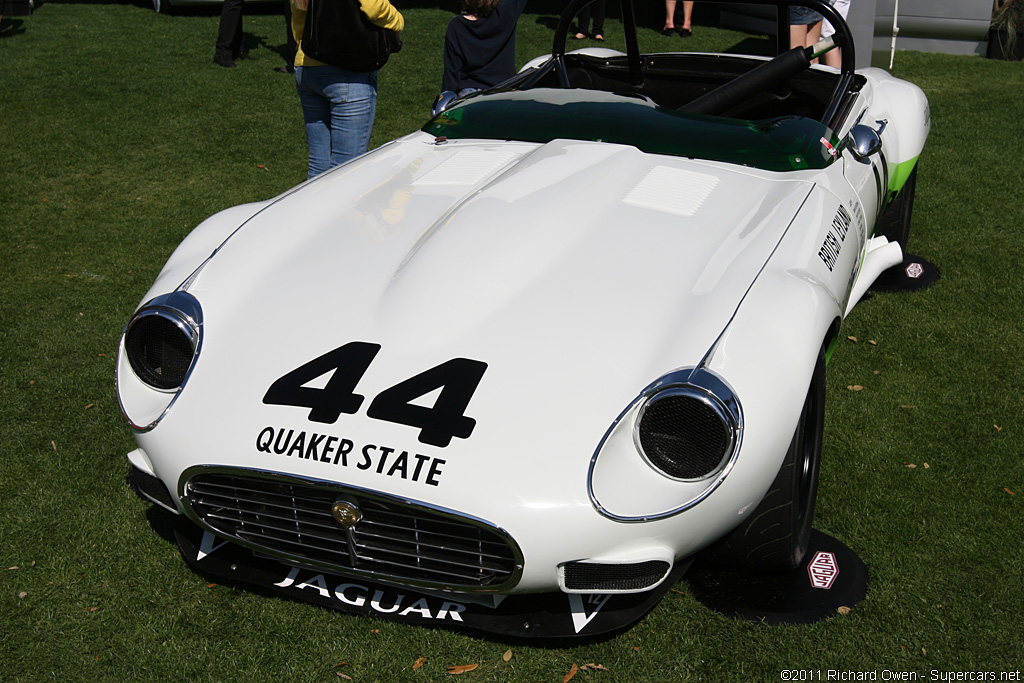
396 540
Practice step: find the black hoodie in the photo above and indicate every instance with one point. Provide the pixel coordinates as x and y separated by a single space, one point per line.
481 53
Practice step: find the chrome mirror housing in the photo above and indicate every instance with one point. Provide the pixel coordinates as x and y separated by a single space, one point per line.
864 141
442 101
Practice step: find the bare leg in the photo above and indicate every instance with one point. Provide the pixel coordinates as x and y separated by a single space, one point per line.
687 13
797 35
813 34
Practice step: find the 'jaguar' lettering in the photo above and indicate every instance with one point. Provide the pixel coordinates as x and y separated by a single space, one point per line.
381 601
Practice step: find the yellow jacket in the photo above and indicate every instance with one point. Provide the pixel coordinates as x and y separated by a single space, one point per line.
380 12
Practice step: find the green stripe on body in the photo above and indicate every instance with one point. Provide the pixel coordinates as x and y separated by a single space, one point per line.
899 178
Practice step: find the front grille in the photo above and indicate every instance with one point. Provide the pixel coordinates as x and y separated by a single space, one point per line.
291 519
598 577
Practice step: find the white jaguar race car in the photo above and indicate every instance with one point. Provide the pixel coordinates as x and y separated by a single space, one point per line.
515 371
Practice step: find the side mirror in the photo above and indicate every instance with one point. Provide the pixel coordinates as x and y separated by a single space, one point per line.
441 102
864 141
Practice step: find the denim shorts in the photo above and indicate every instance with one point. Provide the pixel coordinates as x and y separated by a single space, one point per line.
801 16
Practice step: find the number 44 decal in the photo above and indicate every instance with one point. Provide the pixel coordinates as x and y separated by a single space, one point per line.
439 424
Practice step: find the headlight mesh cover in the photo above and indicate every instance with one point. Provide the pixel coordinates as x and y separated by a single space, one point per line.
159 351
684 434
162 340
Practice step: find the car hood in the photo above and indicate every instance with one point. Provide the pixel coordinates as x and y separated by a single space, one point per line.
578 272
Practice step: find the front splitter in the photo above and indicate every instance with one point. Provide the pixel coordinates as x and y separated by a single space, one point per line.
535 616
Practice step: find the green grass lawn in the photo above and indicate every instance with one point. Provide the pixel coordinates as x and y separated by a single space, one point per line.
118 135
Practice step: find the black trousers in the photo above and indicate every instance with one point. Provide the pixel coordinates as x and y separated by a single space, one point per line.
290 46
229 36
595 9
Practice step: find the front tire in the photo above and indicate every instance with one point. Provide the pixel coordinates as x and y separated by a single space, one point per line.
776 535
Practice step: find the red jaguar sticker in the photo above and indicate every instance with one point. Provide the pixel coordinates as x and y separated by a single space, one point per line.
823 570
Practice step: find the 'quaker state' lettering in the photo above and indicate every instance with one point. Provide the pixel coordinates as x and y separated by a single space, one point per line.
334 450
834 238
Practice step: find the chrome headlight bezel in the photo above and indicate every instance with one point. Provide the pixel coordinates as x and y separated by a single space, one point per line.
619 469
714 403
150 345
145 393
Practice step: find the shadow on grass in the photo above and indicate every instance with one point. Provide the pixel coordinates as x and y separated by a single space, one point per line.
754 44
162 522
11 27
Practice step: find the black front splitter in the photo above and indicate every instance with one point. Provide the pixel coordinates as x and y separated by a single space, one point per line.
830 577
544 616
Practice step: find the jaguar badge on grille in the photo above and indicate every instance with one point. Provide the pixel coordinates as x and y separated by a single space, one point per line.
346 513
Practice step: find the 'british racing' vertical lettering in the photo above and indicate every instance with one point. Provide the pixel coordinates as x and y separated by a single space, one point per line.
835 237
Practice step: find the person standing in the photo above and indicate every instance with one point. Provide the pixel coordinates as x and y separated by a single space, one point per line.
338 105
291 47
804 27
834 58
596 9
229 35
686 30
480 45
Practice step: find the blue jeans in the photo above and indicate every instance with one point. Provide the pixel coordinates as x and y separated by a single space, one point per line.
801 16
338 107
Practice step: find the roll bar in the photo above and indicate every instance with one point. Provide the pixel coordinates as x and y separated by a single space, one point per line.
843 38
843 33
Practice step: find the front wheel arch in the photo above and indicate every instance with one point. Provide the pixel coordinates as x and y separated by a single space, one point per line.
776 535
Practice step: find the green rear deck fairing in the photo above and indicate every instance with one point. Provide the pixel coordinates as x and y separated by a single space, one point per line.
541 115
